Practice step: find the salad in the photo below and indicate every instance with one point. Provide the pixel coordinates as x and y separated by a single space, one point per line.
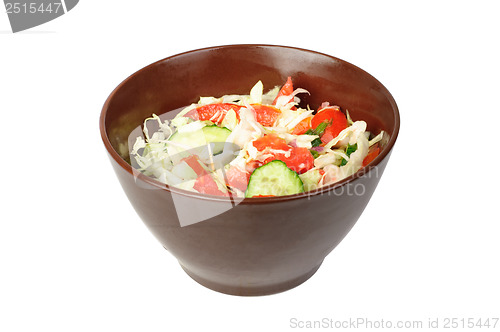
255 145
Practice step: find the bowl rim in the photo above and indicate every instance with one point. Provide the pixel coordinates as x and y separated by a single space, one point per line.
248 200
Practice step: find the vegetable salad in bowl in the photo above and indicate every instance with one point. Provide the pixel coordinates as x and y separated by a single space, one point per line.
256 145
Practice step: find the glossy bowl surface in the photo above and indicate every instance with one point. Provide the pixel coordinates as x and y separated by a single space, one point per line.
257 246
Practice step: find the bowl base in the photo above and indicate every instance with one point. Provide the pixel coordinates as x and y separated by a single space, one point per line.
252 290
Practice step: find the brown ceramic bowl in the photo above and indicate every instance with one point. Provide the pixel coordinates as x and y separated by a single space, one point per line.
261 245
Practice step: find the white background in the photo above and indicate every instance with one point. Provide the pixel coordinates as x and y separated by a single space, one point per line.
74 256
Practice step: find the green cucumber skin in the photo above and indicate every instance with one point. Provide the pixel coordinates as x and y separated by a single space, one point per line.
274 178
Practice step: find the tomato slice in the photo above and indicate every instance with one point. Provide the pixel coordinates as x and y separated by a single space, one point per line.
286 89
194 162
332 131
271 141
213 112
302 127
266 115
206 185
372 154
252 165
337 120
322 116
237 178
300 160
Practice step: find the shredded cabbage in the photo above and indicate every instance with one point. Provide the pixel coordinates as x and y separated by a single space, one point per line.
230 121
348 135
377 138
285 99
256 93
269 97
356 158
311 179
247 130
158 155
209 100
181 114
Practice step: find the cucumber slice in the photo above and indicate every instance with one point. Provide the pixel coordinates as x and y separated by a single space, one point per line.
209 134
274 178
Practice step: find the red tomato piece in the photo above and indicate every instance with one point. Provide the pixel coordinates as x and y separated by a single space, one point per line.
337 120
324 115
271 141
286 89
266 115
237 178
300 160
332 131
252 165
206 185
213 112
372 154
194 163
302 127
